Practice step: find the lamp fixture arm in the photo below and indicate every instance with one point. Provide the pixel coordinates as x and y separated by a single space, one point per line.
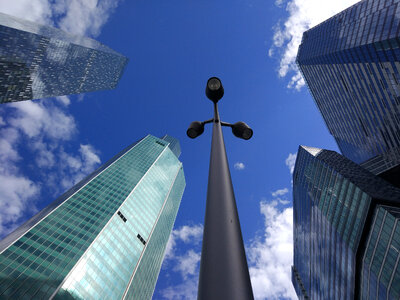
222 123
226 124
208 121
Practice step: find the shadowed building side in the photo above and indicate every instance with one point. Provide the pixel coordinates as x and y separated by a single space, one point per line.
351 64
341 250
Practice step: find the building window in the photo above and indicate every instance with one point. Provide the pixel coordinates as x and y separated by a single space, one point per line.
371 88
369 69
360 75
141 239
122 216
344 83
383 85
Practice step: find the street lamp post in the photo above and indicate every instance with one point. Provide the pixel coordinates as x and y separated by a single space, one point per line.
224 273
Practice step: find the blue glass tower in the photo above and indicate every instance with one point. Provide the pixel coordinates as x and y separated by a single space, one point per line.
346 230
103 239
38 61
351 64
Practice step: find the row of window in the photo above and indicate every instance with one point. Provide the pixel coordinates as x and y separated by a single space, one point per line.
381 268
67 229
116 244
329 213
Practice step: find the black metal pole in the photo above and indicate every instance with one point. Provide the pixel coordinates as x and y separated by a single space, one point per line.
224 273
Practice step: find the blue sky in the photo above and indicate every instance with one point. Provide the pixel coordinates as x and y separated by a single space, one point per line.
173 48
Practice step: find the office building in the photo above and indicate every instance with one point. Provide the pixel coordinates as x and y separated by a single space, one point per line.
38 61
346 229
351 64
104 238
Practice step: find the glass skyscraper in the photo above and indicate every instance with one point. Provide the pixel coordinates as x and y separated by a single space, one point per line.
351 64
103 239
346 230
38 61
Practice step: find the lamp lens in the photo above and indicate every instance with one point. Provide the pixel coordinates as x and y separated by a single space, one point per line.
247 133
192 133
214 84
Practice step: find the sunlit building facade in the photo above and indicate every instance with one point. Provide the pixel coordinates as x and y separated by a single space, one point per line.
103 239
38 61
346 229
351 64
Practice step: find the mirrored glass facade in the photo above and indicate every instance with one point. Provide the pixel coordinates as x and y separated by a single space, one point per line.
103 239
351 64
380 277
38 61
334 201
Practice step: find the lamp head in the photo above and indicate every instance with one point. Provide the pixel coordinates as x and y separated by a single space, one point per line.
242 130
195 129
214 89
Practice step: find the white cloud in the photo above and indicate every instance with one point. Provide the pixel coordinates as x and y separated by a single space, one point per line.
302 15
239 166
89 157
32 10
73 168
85 17
43 127
186 234
290 161
80 17
72 162
187 264
271 256
296 82
45 158
16 190
40 118
16 194
280 192
284 201
270 52
189 233
8 154
64 100
183 252
184 291
277 196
